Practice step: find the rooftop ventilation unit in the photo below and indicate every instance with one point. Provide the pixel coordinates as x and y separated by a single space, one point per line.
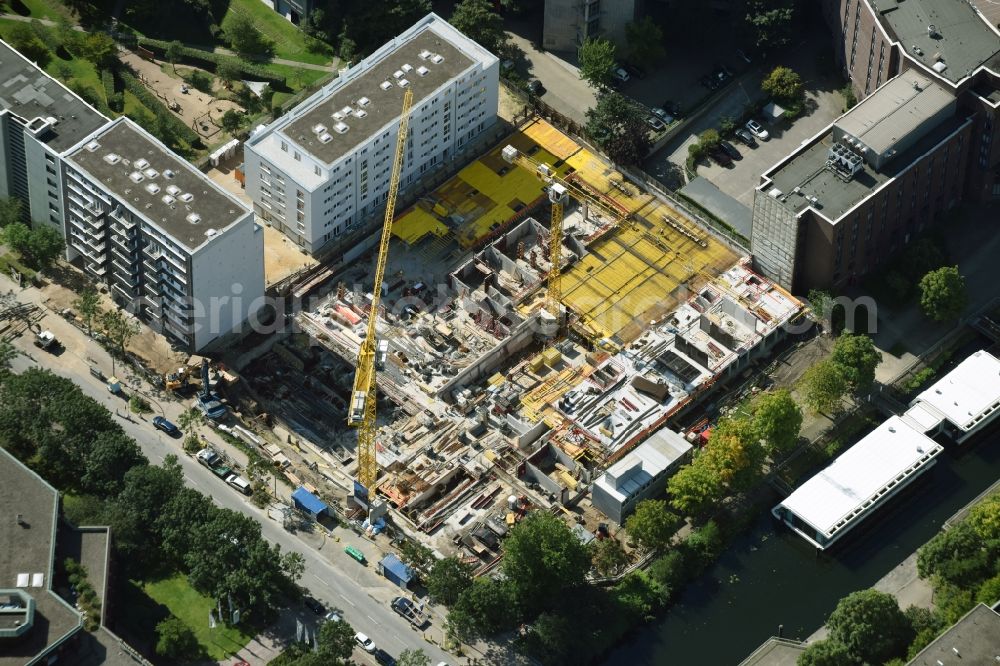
385 85
423 71
173 189
341 128
112 158
437 58
360 113
364 101
425 54
402 83
167 199
346 110
319 128
152 188
186 197
398 74
210 232
325 137
141 163
193 218
939 66
337 115
932 30
135 177
151 173
407 67
844 161
92 146
168 173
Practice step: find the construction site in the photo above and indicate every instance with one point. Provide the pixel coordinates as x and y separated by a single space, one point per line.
504 385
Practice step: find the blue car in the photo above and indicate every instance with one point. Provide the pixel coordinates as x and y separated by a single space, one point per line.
166 426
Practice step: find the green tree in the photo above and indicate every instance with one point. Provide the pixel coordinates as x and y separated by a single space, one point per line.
777 420
417 555
709 139
955 556
871 626
770 22
336 641
555 639
99 48
989 591
669 571
190 421
120 328
88 304
486 608
111 456
618 125
597 62
410 657
232 121
175 640
44 246
228 71
447 579
25 41
185 510
694 489
705 543
857 357
8 353
943 295
294 565
10 211
478 20
245 37
824 386
984 518
645 40
651 525
173 53
608 556
782 84
825 653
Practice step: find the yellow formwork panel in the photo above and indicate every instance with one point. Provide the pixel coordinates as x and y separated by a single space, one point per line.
415 224
547 136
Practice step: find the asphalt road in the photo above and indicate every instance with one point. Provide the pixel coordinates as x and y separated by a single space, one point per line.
340 584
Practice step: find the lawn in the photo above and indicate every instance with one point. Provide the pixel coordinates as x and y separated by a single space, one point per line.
42 9
290 42
149 603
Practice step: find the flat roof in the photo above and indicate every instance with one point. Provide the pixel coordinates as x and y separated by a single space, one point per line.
140 171
30 93
896 110
807 170
426 75
630 474
28 550
975 639
968 393
962 39
861 475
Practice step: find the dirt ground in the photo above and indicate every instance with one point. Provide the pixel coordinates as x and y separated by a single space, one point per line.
193 104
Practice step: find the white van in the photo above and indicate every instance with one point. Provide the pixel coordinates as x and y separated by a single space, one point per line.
621 75
241 484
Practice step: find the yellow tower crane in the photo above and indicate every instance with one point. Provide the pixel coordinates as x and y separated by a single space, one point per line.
559 191
362 409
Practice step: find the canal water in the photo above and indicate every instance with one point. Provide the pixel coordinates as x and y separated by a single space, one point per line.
771 576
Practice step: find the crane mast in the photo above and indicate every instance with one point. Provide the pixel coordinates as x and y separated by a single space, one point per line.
362 408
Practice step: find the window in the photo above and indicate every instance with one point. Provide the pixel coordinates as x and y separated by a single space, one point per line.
316 170
298 157
284 146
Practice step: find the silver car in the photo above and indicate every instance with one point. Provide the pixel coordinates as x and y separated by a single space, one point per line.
757 130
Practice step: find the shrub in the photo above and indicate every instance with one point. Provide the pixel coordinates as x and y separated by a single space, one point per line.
115 100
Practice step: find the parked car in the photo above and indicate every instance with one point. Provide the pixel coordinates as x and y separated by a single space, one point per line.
655 123
634 70
620 75
709 82
743 56
384 658
332 616
663 115
367 644
746 138
730 149
672 107
166 426
757 130
241 484
355 553
314 605
721 157
535 87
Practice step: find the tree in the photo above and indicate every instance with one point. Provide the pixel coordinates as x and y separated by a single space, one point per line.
175 640
609 557
10 211
984 518
447 579
771 22
99 48
120 329
336 641
776 421
645 40
294 565
824 386
417 555
24 40
597 62
669 571
88 304
232 121
619 127
651 525
486 608
189 422
782 84
871 626
410 657
8 353
542 558
173 53
478 21
709 139
245 37
111 456
857 358
178 517
694 489
39 247
228 71
955 556
943 296
824 653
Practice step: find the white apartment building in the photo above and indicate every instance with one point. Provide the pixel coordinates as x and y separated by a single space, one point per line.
40 120
183 253
325 166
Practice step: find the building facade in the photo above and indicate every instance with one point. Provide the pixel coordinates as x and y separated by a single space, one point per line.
568 23
865 186
173 247
40 120
324 167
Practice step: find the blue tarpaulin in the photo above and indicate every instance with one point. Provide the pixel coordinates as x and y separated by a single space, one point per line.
393 569
305 500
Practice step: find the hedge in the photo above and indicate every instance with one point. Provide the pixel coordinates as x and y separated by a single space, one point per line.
153 103
45 35
248 69
115 100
